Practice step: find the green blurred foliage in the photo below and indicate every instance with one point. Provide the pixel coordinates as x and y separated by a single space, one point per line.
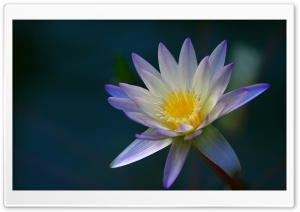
122 73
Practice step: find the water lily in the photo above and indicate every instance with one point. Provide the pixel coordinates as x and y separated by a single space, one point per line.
181 102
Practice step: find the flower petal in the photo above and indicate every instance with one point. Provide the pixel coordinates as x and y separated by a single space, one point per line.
151 135
184 128
252 92
141 64
145 120
226 103
147 107
215 147
176 158
192 135
123 104
168 66
154 84
204 122
217 58
138 150
115 91
166 133
187 62
217 87
136 91
201 81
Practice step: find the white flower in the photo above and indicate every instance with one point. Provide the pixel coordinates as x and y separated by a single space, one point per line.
179 106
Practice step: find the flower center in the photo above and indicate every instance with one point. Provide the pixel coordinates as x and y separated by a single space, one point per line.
181 108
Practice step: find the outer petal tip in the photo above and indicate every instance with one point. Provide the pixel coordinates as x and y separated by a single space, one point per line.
133 55
188 40
166 184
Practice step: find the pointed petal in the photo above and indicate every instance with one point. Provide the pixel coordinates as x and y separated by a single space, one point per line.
166 133
184 128
151 135
176 158
215 147
145 120
201 81
204 122
136 91
115 91
168 66
154 84
218 86
138 150
123 104
141 64
251 92
192 135
187 62
216 112
217 58
226 103
147 107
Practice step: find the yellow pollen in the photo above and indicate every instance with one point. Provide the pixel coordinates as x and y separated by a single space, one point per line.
181 107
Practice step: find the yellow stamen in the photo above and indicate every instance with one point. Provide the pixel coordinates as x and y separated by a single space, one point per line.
181 107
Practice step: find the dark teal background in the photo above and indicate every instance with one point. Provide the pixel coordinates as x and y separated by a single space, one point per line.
65 134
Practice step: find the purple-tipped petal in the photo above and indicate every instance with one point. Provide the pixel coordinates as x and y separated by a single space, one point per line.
136 91
227 103
187 62
201 81
168 66
218 86
115 91
154 84
147 107
204 122
193 135
145 120
138 150
252 92
151 135
141 64
184 128
217 58
127 105
176 158
214 146
166 133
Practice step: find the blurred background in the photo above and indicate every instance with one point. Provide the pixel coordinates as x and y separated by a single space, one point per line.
65 134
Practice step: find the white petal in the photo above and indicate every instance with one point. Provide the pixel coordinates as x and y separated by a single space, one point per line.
217 58
184 128
168 66
217 87
167 133
138 150
154 84
145 120
147 107
187 62
136 91
141 64
192 135
176 158
201 81
226 103
123 104
151 135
